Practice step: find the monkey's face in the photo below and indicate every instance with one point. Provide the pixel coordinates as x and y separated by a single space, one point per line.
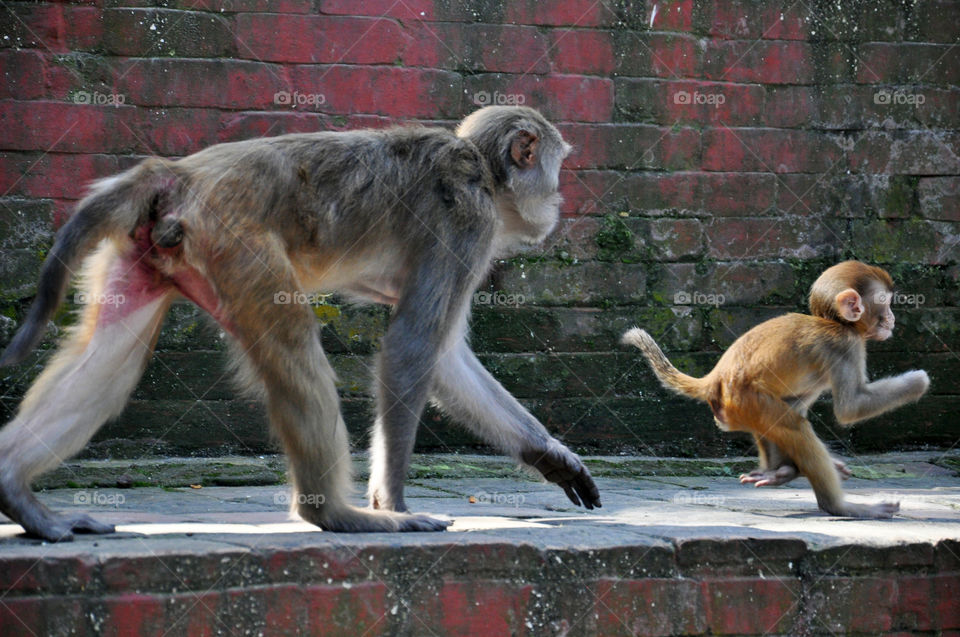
879 314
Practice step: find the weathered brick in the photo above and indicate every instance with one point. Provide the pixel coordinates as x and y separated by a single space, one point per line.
382 90
406 10
30 74
581 51
688 102
939 198
164 32
789 106
919 152
632 147
172 131
739 283
737 193
78 128
781 237
362 606
674 15
31 616
500 48
746 20
751 606
946 589
471 608
934 21
320 39
882 62
584 284
573 98
837 602
768 150
63 176
54 27
655 54
767 62
650 606
573 13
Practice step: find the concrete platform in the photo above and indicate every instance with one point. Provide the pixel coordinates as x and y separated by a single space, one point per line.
667 554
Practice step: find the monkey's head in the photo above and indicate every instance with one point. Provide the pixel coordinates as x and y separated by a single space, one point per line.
857 294
524 152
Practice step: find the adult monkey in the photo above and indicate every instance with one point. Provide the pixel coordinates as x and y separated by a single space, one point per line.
407 216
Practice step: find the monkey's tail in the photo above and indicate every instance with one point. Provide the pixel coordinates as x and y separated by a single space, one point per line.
115 207
670 376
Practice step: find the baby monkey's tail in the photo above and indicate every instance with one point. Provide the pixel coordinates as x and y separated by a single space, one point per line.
671 377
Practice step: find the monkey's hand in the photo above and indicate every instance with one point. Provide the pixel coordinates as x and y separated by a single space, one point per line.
561 466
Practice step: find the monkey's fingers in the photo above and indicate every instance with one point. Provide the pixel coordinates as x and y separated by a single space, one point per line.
561 466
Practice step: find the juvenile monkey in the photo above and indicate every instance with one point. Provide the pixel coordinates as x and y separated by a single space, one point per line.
767 380
408 216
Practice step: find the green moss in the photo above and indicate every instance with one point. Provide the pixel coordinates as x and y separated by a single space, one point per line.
900 194
615 241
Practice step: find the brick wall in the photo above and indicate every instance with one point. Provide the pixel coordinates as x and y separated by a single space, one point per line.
726 151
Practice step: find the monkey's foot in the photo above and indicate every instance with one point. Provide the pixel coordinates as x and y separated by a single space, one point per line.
842 468
54 528
880 510
561 466
353 520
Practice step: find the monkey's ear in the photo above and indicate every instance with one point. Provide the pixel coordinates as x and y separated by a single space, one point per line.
523 149
849 305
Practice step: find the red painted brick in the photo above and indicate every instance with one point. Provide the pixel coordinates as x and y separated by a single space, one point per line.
737 193
631 147
576 98
172 131
946 592
134 614
768 150
739 20
767 62
581 51
405 10
751 606
475 608
648 607
319 39
381 90
226 7
218 83
31 74
62 176
913 603
656 54
881 62
478 47
60 127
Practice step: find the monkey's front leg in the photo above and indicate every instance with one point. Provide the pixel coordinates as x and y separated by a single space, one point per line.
466 390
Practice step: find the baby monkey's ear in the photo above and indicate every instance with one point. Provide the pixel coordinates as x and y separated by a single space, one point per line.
849 305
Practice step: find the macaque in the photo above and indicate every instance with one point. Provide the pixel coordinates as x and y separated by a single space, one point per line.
409 216
767 380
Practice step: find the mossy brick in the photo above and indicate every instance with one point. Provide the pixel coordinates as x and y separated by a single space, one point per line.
188 328
656 54
859 559
912 240
751 20
714 284
856 22
577 98
166 32
726 324
549 283
556 374
903 62
203 375
928 423
781 237
572 240
478 48
632 147
932 21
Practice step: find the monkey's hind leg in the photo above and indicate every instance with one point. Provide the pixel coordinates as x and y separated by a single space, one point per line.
775 469
773 420
282 346
86 383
